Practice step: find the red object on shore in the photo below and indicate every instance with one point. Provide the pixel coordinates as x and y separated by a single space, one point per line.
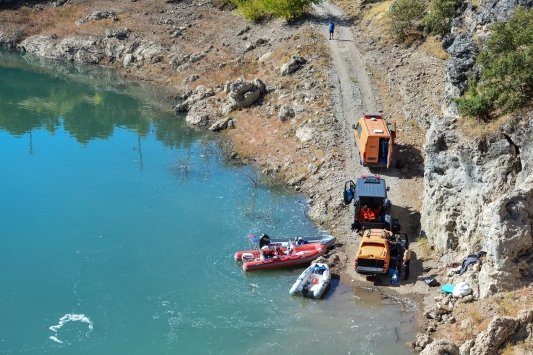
254 260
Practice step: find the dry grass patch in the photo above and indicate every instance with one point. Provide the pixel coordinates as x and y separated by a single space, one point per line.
349 7
474 128
425 247
377 11
433 47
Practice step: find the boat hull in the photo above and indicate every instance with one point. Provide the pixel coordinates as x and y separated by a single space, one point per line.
302 254
313 281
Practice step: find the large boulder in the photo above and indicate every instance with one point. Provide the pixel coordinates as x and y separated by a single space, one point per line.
293 65
441 347
243 93
191 98
497 333
203 113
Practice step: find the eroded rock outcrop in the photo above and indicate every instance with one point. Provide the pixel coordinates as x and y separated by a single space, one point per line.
243 93
479 192
93 50
205 110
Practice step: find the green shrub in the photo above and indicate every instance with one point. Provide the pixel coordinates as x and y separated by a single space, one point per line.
405 17
287 9
472 104
506 68
440 15
251 9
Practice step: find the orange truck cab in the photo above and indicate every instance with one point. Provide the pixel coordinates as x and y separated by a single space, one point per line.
374 138
373 255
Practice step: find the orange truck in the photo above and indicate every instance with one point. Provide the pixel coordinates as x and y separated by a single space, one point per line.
374 138
379 251
373 255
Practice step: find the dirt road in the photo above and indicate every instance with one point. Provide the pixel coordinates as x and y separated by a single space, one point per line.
353 96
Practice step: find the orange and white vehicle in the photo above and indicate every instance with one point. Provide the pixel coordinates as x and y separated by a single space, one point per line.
373 255
374 138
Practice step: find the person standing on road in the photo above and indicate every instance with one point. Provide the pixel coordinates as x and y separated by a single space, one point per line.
406 262
331 28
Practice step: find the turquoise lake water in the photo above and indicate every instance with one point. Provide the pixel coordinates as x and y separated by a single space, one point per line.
118 228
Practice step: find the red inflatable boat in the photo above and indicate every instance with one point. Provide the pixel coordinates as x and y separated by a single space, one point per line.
279 257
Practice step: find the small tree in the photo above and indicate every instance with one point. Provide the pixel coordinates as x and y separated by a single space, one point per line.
405 17
288 9
506 67
440 15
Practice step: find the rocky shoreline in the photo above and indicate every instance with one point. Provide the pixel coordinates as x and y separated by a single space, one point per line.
272 94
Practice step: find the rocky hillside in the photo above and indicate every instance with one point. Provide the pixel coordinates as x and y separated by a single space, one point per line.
478 178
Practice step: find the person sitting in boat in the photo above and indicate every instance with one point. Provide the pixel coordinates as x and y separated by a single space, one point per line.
300 241
266 252
289 249
279 251
264 240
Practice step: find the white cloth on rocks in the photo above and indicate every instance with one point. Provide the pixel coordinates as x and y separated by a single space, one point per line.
461 289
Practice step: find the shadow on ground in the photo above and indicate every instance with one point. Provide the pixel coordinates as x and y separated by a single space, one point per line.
408 163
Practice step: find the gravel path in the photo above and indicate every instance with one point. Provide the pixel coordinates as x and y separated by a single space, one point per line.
354 95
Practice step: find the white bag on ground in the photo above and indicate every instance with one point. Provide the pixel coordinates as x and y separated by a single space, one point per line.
461 289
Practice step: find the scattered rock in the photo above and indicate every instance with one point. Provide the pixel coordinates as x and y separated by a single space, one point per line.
305 133
265 57
121 33
293 65
464 349
285 113
243 31
192 78
249 46
421 341
221 124
98 15
196 57
297 180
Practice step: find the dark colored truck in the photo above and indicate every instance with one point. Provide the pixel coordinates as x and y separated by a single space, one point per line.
371 205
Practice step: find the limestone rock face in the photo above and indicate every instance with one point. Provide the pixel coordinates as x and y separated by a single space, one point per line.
92 50
189 99
479 196
478 193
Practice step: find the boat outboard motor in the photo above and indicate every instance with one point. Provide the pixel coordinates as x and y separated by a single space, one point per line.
264 240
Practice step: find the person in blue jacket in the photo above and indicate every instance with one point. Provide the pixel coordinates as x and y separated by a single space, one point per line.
331 28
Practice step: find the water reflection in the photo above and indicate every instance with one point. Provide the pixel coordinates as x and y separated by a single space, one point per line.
31 100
